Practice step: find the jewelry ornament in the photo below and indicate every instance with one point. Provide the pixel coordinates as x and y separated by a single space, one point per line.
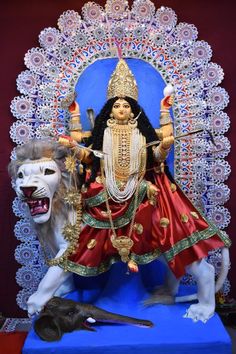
123 244
122 82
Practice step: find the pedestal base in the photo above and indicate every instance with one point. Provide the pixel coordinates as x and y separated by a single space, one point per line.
123 294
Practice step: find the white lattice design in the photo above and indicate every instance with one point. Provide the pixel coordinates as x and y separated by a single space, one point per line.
16 324
142 32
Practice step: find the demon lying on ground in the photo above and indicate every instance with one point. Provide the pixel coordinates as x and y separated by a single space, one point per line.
62 315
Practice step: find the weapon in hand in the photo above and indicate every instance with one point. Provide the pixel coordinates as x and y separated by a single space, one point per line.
184 135
96 153
196 132
69 142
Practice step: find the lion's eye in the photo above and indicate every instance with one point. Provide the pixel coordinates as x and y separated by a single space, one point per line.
20 175
48 171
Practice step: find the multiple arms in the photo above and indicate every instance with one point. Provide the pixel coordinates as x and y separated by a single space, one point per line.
75 126
165 133
76 135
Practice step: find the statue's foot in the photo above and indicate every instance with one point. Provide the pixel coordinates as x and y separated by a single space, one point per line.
200 312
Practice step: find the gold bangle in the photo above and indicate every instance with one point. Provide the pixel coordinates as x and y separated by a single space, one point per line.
165 121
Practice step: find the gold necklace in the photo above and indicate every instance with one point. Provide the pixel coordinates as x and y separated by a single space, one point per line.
123 243
121 137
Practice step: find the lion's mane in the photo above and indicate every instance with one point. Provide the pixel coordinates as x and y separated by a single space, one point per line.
37 149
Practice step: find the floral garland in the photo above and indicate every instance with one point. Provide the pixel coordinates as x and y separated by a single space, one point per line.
141 32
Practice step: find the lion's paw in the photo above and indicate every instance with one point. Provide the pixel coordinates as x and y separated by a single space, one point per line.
36 303
200 312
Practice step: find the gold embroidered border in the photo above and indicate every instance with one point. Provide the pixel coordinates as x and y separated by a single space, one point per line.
215 230
195 238
103 267
96 200
89 271
148 257
120 221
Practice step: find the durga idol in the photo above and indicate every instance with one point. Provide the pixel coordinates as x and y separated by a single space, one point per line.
133 211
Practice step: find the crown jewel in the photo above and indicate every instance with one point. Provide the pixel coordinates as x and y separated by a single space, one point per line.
122 82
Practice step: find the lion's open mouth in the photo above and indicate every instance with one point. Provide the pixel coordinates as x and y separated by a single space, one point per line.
38 206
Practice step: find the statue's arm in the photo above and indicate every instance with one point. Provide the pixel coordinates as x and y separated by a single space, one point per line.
162 150
82 154
166 122
76 135
165 132
75 126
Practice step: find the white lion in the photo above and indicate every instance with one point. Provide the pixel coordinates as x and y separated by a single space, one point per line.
40 180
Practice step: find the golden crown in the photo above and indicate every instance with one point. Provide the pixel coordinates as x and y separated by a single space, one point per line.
122 82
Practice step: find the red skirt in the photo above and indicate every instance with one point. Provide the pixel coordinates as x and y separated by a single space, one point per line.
173 228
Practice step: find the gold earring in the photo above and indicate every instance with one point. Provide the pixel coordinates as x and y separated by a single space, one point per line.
131 115
111 122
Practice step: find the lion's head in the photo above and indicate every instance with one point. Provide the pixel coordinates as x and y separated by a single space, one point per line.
40 177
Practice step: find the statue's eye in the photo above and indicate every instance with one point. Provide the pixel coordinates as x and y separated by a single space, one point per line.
70 313
20 175
48 171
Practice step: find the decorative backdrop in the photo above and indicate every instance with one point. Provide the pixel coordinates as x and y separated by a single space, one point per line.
150 35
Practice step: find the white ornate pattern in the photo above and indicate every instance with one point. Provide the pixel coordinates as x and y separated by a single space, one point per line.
23 230
20 208
11 324
153 36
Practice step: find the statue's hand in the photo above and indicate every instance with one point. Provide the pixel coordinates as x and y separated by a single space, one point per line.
167 131
67 141
74 108
167 102
167 142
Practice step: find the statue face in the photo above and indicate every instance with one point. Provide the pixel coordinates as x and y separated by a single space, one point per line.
36 184
121 110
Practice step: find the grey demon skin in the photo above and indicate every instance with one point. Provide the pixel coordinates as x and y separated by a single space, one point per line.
62 315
